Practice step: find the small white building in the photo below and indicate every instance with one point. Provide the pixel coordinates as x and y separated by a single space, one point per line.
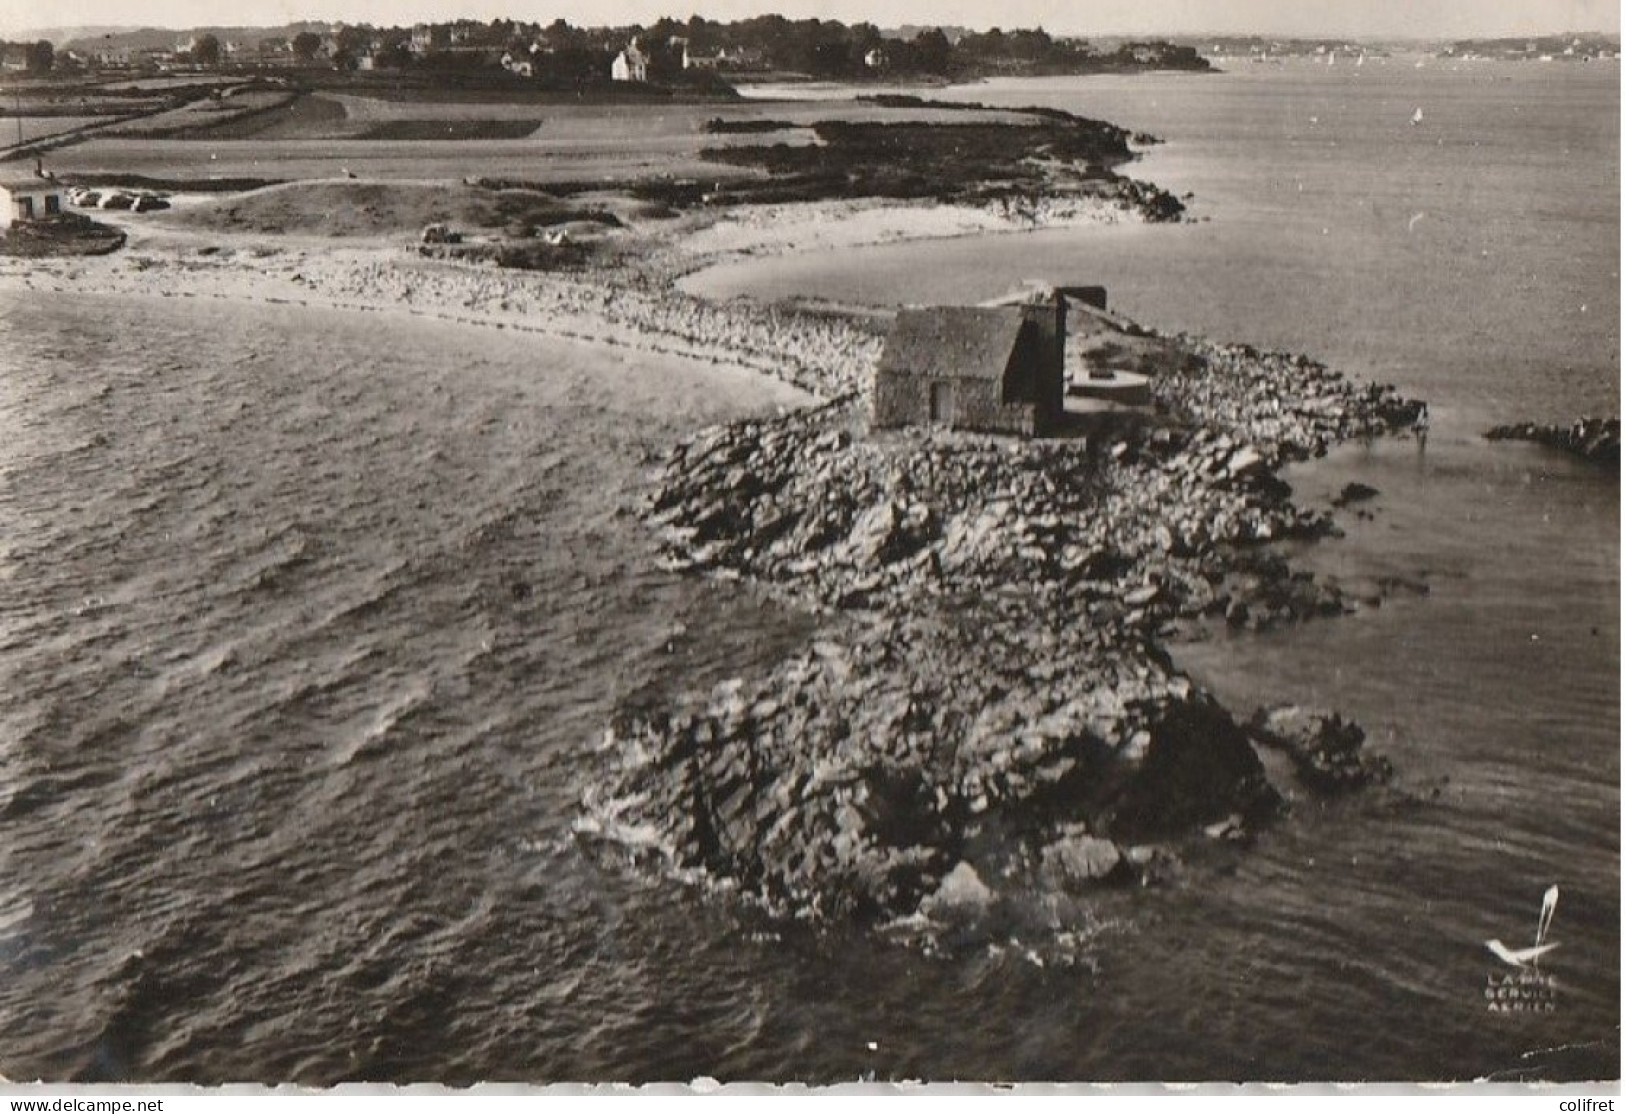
24 197
692 61
630 64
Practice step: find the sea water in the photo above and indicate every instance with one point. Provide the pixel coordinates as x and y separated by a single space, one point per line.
310 624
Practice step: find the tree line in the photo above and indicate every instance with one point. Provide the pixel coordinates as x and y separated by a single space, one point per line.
38 57
826 49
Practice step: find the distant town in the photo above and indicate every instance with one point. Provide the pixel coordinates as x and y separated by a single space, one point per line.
694 52
1567 47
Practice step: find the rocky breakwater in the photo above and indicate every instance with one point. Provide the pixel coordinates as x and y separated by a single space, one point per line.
1282 405
987 726
818 353
1595 440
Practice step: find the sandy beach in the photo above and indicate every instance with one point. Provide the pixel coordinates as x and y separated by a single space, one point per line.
379 278
824 226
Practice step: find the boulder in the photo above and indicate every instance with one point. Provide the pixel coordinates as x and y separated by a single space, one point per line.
1079 861
961 893
1354 492
876 534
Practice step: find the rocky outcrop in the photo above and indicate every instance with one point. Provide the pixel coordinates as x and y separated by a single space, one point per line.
1051 154
987 724
1595 440
857 778
1326 750
64 234
1354 492
1130 529
1286 406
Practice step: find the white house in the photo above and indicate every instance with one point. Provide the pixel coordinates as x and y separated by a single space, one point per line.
24 197
692 61
630 64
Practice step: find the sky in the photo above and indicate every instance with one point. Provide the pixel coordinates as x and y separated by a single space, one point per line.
1308 18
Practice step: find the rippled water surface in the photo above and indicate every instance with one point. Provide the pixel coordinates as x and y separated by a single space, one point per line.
309 623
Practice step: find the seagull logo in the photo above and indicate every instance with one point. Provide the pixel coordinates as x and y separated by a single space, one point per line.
1529 958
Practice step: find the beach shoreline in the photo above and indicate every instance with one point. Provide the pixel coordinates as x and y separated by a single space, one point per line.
640 307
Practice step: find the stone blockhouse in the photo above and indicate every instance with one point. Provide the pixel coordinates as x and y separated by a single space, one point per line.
24 198
1094 296
996 369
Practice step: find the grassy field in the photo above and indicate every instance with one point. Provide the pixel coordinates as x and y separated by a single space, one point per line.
344 134
345 115
335 136
451 130
304 118
177 161
163 84
38 127
379 208
204 113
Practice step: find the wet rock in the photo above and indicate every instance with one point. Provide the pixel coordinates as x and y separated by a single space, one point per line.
1231 829
1592 439
845 780
1079 861
1326 750
1196 767
962 893
1354 492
